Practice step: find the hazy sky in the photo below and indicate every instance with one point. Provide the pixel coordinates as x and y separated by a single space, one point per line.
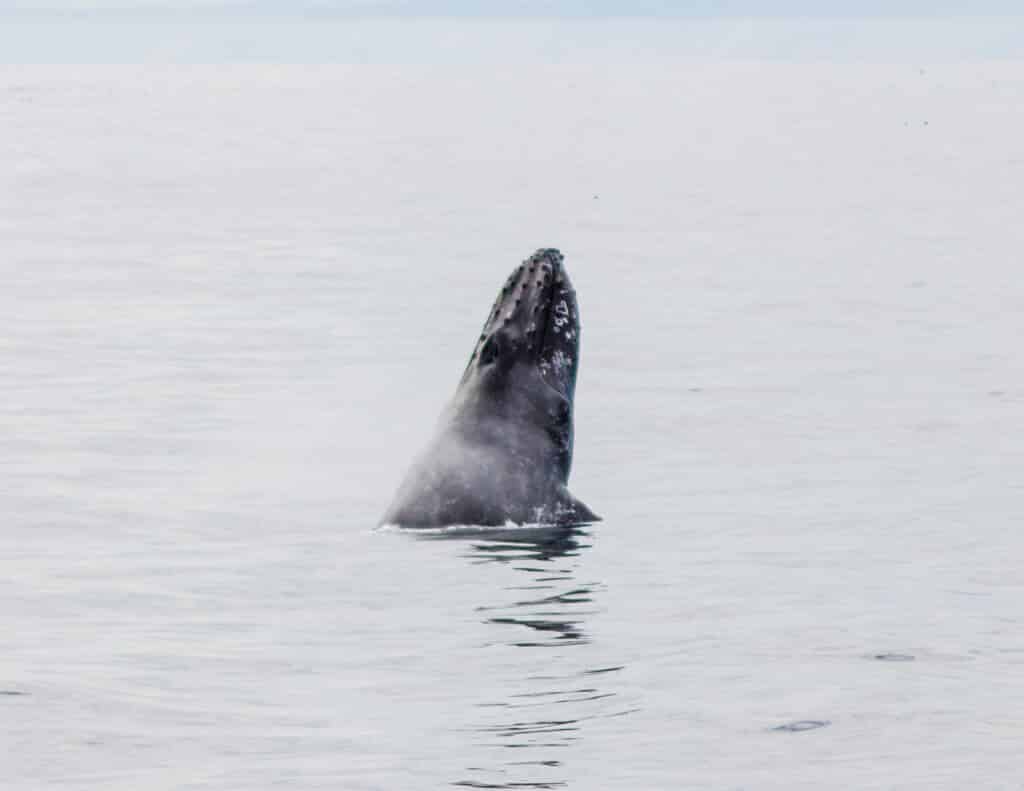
458 31
701 8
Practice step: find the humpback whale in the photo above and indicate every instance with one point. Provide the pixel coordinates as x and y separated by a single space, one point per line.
503 446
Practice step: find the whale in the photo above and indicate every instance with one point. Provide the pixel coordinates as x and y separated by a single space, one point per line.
503 447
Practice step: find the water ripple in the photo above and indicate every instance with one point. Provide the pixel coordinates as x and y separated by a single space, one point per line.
551 712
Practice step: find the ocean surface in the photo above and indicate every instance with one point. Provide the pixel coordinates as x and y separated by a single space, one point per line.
236 298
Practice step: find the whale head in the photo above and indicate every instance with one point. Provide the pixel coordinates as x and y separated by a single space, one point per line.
522 372
503 448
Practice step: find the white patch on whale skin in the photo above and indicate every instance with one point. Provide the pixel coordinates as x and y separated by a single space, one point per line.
560 360
561 315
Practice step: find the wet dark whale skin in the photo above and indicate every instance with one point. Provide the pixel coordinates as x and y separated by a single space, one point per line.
503 449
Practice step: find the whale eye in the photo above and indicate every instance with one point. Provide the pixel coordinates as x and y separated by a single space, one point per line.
489 353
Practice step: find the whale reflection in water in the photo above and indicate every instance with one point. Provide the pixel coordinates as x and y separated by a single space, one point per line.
549 601
543 697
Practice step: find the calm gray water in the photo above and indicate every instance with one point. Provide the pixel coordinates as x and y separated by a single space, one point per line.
236 298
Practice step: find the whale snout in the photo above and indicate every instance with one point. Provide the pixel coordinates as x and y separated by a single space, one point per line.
534 320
